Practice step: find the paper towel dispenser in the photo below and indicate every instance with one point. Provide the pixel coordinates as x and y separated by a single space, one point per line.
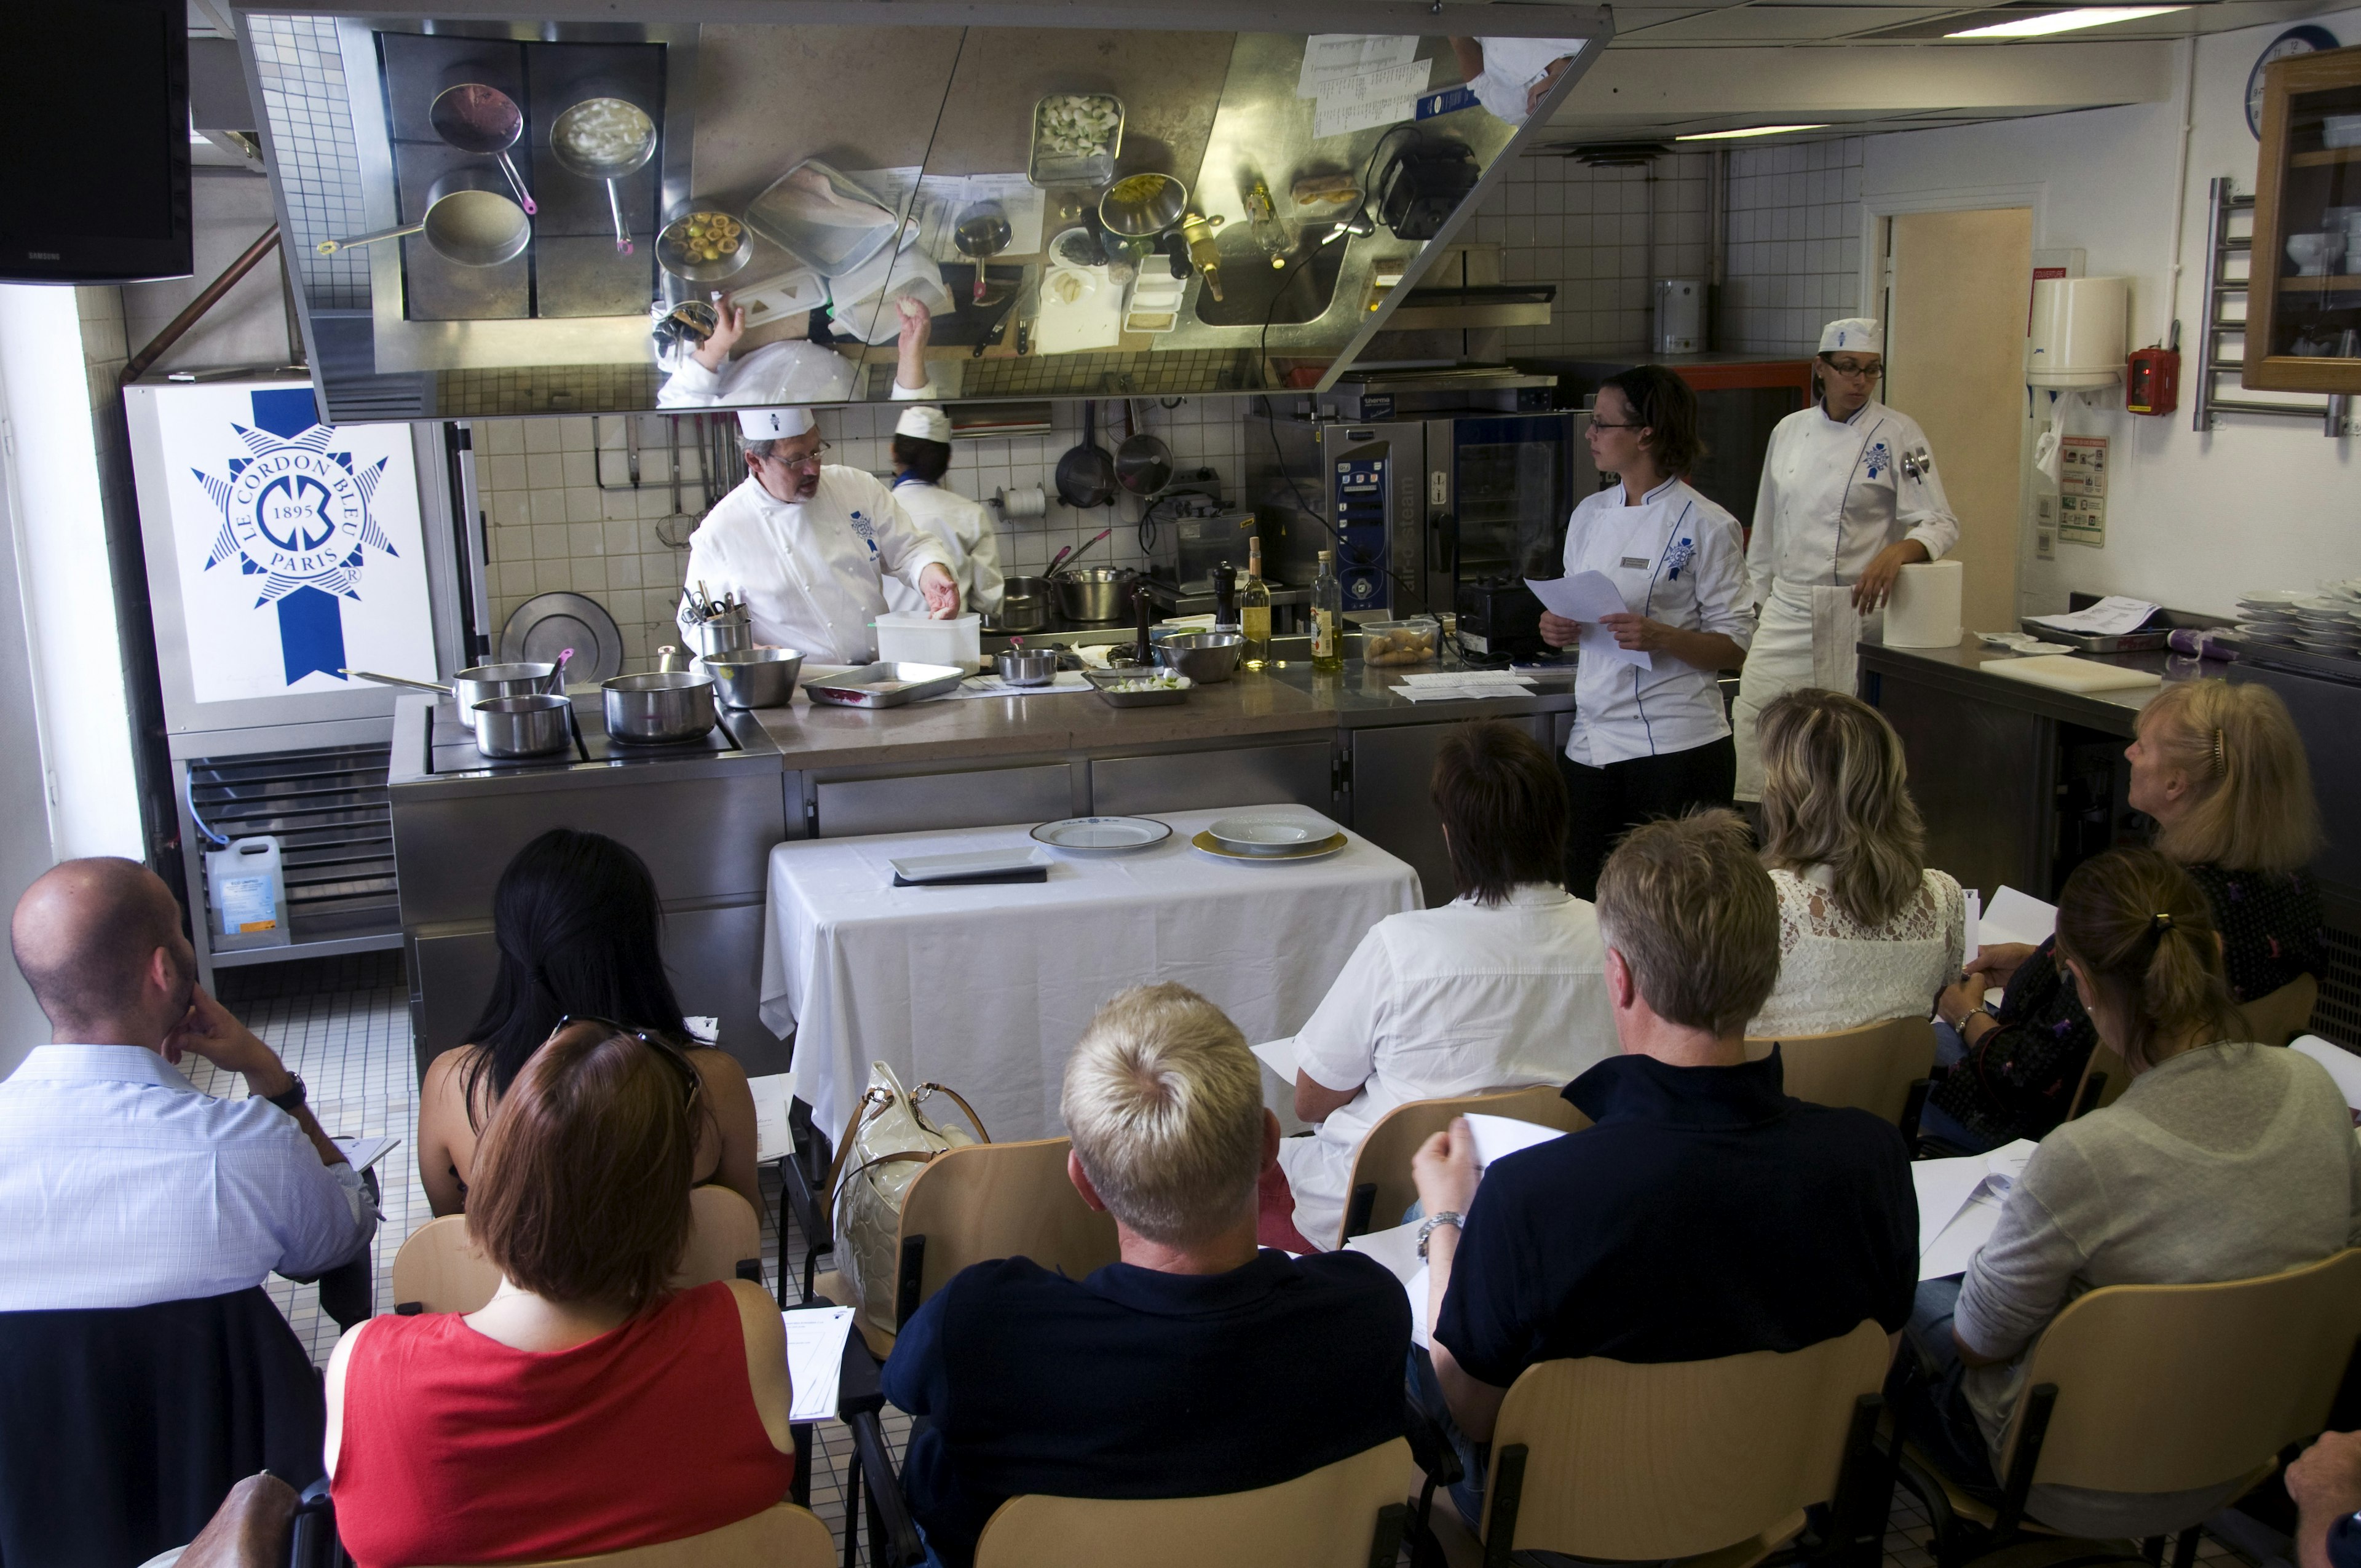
2080 329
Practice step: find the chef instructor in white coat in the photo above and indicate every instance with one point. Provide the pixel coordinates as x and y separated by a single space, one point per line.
1849 496
807 545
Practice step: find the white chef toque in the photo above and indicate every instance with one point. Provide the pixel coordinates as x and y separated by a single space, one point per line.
1855 334
773 424
925 422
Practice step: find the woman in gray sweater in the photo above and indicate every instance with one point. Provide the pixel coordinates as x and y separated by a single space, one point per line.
2223 1160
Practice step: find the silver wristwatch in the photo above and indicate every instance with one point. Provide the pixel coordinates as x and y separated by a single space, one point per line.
1451 1217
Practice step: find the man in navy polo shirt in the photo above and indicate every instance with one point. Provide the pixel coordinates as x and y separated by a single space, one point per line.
1198 1365
1705 1213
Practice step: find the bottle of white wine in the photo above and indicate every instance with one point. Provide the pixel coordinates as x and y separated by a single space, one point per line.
1327 616
1254 608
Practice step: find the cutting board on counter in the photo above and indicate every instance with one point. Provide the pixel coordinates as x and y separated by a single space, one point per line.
2068 674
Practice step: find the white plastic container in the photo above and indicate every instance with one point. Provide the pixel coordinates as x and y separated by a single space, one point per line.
2080 330
247 891
910 637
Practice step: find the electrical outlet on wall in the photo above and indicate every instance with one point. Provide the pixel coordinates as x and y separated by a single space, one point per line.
2045 528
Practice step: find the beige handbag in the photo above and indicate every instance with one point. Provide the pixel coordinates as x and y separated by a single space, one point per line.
891 1139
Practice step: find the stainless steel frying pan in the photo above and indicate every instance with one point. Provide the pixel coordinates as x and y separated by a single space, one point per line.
605 138
469 221
479 119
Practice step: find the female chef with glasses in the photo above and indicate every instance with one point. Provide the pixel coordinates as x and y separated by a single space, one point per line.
1650 739
1848 498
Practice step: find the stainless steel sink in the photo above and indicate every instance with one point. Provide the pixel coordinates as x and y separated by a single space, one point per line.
1254 291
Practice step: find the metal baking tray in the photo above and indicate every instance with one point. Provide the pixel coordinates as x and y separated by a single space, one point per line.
1045 168
829 249
886 684
2128 642
1101 679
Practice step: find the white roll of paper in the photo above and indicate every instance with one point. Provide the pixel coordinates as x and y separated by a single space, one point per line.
1029 500
1925 609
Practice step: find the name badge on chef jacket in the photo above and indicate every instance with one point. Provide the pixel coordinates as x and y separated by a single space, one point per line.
1636 562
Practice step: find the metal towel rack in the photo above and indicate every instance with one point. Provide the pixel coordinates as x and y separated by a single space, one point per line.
2220 248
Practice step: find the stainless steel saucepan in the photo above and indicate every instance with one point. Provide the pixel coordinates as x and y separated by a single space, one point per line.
533 725
663 708
470 220
479 683
608 139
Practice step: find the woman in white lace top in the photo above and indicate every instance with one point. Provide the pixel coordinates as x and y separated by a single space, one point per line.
1867 931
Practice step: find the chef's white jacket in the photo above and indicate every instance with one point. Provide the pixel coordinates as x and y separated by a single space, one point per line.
811 572
1512 66
774 376
1437 1002
961 527
1677 558
1835 492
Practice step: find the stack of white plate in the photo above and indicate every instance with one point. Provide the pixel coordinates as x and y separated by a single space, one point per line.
2268 615
2328 623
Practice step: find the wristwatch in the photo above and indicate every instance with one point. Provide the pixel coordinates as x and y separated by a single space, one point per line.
1451 1217
292 1099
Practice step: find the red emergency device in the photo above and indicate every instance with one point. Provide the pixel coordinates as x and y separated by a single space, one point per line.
2152 381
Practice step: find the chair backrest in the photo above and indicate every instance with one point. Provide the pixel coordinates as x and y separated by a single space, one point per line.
1383 1158
1327 1519
2284 1014
439 1268
780 1536
2172 1387
1871 1067
986 1200
1677 1458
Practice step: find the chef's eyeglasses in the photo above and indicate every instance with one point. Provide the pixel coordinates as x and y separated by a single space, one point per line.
678 1059
792 463
1854 369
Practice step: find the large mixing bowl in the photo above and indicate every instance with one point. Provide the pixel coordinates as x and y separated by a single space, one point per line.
1207 658
1139 206
1095 593
756 677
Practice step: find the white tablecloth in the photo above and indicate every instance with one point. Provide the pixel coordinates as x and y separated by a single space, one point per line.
986 989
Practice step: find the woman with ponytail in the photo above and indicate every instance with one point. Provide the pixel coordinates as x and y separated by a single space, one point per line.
1867 931
581 936
2223 1160
2220 770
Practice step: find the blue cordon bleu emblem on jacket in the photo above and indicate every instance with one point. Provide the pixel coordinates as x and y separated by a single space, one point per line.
295 514
1877 459
866 530
1677 559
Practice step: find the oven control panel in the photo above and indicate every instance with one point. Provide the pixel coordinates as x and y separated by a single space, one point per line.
1360 496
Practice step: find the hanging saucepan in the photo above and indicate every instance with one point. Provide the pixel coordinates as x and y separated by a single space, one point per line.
1086 474
470 220
1143 464
605 138
483 120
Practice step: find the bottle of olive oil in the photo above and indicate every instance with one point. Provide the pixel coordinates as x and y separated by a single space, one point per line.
1327 616
1253 609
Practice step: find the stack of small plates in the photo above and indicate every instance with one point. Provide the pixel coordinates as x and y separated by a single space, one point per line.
1271 836
2268 615
2328 623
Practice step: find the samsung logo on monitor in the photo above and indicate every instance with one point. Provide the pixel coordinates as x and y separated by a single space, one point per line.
42 256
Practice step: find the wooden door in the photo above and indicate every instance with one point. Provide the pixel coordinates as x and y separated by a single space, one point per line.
1957 295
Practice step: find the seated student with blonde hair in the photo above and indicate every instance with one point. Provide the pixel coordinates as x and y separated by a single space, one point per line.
588 1408
2223 1160
1198 1363
1867 929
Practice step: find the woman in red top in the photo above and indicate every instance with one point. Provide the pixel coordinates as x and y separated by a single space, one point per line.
588 1408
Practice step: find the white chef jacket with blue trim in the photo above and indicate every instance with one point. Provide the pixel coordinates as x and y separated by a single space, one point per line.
1835 492
1677 558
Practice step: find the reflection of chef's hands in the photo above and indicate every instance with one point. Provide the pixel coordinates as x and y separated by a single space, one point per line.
1875 584
917 326
1638 634
726 330
1558 632
942 593
1541 90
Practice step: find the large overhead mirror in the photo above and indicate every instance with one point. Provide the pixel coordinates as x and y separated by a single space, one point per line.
563 218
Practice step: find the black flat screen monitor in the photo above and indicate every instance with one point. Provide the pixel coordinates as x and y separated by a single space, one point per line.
95 113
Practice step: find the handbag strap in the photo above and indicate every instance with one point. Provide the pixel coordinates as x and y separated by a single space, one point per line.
973 1120
923 1156
875 1102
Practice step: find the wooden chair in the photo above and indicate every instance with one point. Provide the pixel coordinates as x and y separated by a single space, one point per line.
2151 1388
1879 1068
1381 1186
1712 1461
2273 1020
780 1536
438 1270
1345 1515
978 1203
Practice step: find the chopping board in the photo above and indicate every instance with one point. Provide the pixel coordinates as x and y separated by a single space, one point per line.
2068 674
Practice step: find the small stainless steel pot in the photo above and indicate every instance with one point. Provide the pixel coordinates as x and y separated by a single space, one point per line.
533 725
1095 593
755 678
1023 604
726 633
1029 666
663 708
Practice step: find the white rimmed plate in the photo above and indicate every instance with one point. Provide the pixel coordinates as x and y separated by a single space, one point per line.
2275 596
1318 850
1268 833
1104 834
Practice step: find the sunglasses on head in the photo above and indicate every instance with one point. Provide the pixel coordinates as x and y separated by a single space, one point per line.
690 1083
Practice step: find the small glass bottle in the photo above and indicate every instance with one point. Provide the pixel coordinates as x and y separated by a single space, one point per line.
1226 598
1327 616
1254 608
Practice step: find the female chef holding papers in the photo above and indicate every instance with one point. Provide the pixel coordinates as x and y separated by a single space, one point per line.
1650 739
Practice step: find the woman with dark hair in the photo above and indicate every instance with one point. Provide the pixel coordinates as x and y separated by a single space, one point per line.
588 1408
1502 988
1650 738
2223 1160
580 936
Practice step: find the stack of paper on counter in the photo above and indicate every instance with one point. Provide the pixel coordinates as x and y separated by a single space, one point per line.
1958 1204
